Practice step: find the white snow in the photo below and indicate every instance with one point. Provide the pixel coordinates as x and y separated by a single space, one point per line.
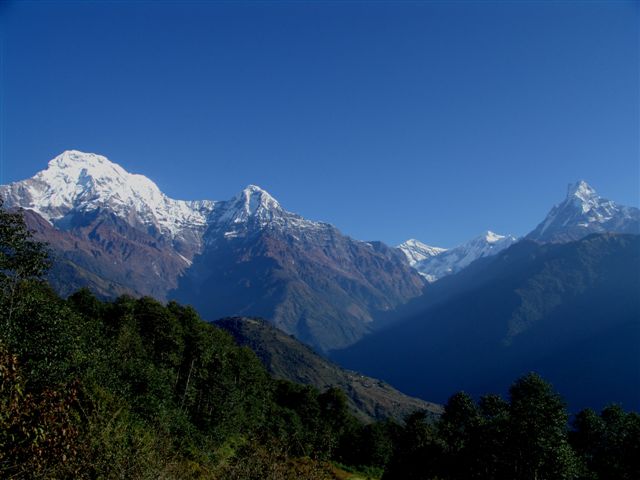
75 181
255 209
583 208
78 181
416 251
442 262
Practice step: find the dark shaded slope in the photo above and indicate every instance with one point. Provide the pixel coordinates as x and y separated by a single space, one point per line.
286 358
569 311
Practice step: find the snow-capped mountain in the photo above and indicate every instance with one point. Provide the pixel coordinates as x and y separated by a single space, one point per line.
252 210
77 182
416 251
584 212
116 233
443 262
306 277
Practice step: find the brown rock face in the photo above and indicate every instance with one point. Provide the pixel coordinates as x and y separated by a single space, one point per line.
102 252
315 283
321 286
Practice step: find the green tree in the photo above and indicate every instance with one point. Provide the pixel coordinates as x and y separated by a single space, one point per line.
418 451
537 443
491 437
335 420
21 259
609 443
35 323
457 427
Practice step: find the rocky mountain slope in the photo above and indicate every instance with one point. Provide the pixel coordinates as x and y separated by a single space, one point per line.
305 277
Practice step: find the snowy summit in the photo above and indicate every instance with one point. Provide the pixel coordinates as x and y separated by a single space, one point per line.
416 251
75 182
445 262
584 212
83 182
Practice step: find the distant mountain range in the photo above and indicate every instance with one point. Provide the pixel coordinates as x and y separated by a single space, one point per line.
563 300
116 233
286 358
434 263
581 213
570 311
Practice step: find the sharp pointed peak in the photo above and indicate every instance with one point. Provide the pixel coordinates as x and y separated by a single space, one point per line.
581 189
253 198
254 191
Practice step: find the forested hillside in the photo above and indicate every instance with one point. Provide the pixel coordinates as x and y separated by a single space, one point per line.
286 358
137 389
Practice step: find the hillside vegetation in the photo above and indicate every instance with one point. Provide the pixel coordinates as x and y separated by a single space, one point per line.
286 358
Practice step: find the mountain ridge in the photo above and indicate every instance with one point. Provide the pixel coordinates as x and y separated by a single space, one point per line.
118 233
434 263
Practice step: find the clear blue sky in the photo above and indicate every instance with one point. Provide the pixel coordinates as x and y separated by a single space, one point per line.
390 120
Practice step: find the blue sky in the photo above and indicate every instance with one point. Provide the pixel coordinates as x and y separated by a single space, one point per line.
390 120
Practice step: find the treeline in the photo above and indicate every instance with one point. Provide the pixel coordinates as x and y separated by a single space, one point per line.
136 389
524 438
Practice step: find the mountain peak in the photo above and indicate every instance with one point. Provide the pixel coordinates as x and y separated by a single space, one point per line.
254 198
412 242
251 206
76 181
69 158
74 173
584 212
582 191
491 237
446 262
251 188
416 251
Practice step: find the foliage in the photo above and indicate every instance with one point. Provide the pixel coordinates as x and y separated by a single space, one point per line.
538 446
38 435
21 257
608 443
